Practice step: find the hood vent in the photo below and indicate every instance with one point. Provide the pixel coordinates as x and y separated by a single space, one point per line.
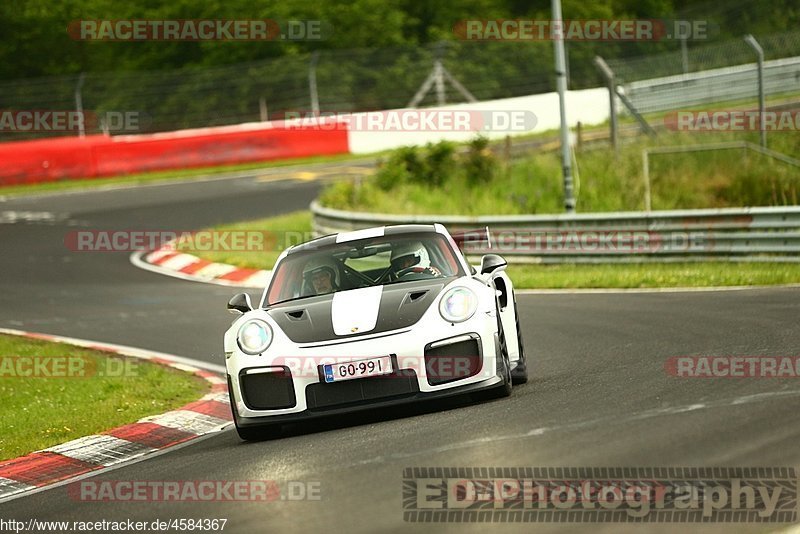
416 295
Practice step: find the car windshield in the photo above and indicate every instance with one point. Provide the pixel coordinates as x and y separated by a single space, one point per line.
363 263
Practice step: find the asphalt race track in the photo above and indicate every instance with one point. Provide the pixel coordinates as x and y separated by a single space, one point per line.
599 394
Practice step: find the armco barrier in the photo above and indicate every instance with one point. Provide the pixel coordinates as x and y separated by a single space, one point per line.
98 155
744 234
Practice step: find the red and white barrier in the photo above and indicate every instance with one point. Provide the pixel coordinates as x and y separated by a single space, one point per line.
94 156
47 160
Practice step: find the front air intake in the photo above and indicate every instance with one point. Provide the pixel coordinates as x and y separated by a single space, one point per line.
453 359
267 388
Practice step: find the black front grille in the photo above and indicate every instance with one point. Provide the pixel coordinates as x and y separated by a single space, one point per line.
453 361
361 390
268 391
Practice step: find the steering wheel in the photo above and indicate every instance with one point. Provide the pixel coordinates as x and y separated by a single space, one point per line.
415 269
408 270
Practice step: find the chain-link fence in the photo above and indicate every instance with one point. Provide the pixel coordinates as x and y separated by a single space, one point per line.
346 80
696 58
716 73
349 80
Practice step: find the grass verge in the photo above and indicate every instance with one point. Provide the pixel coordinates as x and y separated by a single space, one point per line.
572 276
435 179
653 275
86 393
280 232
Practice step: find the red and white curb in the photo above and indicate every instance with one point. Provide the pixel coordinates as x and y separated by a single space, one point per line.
89 454
170 262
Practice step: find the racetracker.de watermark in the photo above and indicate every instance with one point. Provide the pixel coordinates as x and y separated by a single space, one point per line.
734 120
585 494
583 30
199 30
439 367
184 240
194 490
202 240
555 241
66 366
40 120
733 366
415 120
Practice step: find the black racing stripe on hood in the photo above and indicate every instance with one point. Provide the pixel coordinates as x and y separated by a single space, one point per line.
309 320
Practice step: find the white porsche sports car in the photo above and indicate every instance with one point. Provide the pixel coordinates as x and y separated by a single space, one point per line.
371 318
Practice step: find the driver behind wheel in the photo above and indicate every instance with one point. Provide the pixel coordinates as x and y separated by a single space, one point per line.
412 257
321 275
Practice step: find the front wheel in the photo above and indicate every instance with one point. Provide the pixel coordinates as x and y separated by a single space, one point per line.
505 365
520 373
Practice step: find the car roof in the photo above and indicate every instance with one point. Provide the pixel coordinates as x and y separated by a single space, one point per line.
392 230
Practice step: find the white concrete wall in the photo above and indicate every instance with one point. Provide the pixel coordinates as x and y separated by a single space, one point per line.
589 106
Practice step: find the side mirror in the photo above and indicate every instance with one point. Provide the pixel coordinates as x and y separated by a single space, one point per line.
240 303
491 263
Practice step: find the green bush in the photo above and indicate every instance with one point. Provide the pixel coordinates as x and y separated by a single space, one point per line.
390 174
480 165
341 195
432 166
440 162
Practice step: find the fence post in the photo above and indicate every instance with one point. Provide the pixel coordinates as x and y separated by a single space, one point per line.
684 55
608 74
646 176
79 105
262 109
312 82
750 40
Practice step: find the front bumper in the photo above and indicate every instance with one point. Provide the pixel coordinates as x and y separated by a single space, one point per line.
310 397
419 396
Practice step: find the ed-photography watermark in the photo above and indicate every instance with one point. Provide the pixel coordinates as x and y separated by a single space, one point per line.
66 366
734 120
733 366
194 490
414 120
199 30
583 30
41 120
586 494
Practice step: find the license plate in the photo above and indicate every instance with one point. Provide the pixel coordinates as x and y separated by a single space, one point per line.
336 372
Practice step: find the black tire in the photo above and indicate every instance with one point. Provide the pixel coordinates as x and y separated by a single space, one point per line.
520 373
507 387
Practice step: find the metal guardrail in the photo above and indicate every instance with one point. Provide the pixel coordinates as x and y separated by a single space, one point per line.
682 91
727 234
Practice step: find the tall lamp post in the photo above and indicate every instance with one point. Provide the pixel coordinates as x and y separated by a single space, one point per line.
561 85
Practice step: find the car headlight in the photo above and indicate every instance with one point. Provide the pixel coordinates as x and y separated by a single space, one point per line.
458 304
254 336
